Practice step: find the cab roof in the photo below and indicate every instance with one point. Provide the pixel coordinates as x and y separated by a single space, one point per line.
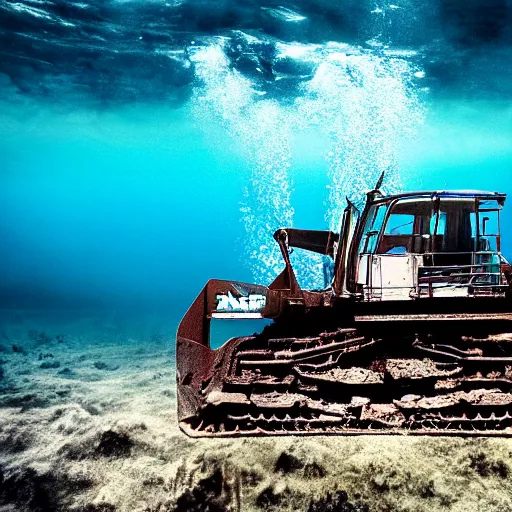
462 194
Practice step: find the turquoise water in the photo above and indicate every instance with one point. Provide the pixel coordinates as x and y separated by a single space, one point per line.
134 203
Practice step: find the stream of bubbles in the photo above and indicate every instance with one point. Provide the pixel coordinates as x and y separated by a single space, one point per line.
365 103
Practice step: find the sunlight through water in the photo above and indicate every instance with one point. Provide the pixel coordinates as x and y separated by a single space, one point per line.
364 103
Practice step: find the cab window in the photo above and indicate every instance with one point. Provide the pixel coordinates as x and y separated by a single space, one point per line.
408 227
400 224
372 229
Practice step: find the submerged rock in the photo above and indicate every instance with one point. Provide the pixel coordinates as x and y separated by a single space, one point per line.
48 365
288 463
99 507
114 444
337 502
486 467
314 470
100 365
25 489
269 498
205 496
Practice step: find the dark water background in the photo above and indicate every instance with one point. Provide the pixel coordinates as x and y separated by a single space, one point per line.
146 146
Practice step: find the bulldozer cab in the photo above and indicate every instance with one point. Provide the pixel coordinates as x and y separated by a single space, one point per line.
425 244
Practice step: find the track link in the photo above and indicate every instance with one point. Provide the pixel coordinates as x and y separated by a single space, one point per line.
343 382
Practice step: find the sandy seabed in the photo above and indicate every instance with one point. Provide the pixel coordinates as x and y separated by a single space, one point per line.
88 423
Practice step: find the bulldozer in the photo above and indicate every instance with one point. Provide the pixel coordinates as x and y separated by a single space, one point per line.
410 334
